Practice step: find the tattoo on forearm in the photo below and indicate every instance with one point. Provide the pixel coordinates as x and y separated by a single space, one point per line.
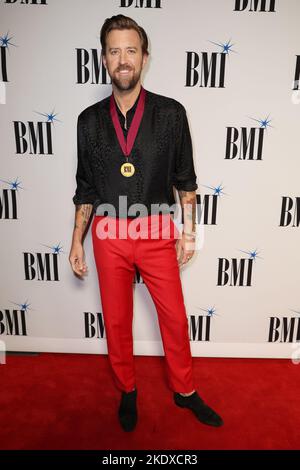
85 211
188 201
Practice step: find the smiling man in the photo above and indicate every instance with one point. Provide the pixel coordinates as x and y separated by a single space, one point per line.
135 146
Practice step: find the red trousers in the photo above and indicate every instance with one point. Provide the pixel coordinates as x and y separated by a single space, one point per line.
154 255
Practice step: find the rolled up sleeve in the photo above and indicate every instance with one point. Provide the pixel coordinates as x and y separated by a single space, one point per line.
85 191
184 177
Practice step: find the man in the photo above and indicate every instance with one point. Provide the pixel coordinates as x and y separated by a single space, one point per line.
136 144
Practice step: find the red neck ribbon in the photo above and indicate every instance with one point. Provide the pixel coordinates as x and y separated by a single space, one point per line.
126 145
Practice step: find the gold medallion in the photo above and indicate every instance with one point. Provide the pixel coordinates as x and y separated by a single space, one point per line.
127 169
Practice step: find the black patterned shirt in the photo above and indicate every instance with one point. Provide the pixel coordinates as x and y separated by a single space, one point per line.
162 156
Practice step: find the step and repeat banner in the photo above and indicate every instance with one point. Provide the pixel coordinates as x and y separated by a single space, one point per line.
235 66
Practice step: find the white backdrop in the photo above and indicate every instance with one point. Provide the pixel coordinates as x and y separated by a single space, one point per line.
242 287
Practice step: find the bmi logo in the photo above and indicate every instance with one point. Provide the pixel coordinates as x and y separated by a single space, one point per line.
207 210
13 321
5 42
284 329
255 5
94 325
200 325
35 137
207 69
236 271
8 199
246 143
27 2
42 266
290 212
140 3
90 68
297 73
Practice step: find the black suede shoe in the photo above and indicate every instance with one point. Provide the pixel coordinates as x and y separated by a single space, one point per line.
128 410
202 411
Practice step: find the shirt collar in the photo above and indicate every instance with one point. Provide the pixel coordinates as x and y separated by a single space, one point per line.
132 109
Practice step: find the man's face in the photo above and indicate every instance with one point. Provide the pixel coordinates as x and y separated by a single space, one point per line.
124 59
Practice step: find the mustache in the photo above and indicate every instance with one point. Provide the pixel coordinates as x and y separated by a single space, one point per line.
121 69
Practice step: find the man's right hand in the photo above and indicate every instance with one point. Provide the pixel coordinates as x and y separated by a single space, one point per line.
77 259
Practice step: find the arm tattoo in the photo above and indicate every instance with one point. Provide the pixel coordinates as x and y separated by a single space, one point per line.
82 216
85 212
188 201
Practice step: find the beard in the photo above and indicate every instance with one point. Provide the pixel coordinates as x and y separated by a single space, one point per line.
126 83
